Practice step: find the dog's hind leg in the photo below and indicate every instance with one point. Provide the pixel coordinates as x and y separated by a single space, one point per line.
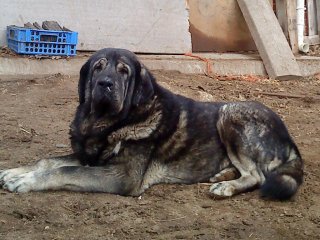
240 134
249 178
226 174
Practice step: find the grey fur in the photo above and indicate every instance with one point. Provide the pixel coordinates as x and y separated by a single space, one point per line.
129 133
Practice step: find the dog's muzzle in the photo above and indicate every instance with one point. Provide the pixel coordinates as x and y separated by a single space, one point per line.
105 85
103 92
105 97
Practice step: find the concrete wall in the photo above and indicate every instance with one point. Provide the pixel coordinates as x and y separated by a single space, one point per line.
151 26
139 25
218 25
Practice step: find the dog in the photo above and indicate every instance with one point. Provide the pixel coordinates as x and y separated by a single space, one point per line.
130 133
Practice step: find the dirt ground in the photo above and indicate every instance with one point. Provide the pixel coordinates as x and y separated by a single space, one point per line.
34 121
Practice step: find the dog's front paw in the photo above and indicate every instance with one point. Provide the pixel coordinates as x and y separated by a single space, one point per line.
222 189
5 175
25 182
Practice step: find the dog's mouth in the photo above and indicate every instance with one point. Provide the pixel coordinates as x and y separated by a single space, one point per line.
106 101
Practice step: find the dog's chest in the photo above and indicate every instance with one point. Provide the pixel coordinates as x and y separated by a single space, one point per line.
89 141
95 149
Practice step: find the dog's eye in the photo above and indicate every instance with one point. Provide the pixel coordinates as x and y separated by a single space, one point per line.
121 68
100 64
125 70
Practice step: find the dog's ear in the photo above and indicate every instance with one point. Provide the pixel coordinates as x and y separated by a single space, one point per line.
144 90
83 81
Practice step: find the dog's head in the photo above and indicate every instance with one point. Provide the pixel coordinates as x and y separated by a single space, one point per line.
113 80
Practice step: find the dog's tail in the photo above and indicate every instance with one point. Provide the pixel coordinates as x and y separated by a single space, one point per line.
283 182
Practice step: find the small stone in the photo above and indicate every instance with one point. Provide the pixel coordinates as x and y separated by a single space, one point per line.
245 222
206 206
59 145
46 227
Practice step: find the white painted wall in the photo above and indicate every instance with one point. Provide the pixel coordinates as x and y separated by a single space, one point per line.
152 26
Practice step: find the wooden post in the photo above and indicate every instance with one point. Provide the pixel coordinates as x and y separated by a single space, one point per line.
281 11
318 15
287 17
273 47
291 9
312 18
313 7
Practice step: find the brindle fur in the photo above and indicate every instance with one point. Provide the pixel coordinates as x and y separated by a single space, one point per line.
130 133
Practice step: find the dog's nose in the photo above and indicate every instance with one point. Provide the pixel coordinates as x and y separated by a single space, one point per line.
105 83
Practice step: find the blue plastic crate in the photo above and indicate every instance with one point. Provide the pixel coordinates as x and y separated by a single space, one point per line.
42 42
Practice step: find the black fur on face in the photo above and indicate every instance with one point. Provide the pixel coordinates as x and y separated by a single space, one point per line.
112 81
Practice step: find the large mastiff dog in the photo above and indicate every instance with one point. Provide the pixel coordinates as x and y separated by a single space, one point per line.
129 133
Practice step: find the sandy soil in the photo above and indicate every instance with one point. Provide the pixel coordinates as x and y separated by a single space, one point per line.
34 121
